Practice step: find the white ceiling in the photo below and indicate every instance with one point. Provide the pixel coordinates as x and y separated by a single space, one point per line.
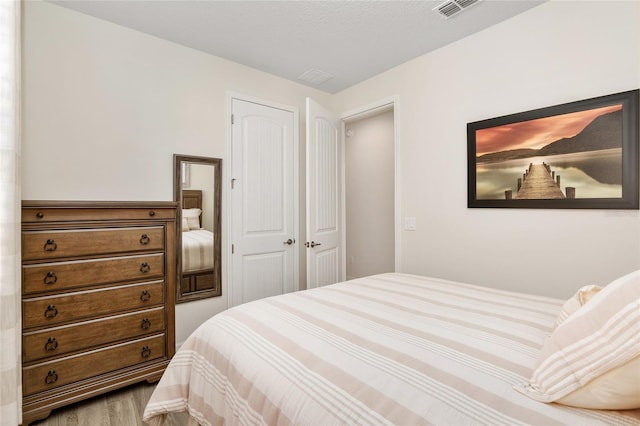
351 40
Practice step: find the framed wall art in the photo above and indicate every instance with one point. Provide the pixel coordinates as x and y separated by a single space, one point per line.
578 155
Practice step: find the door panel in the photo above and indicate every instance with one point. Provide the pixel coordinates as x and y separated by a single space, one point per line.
324 184
326 267
264 272
326 177
263 172
263 198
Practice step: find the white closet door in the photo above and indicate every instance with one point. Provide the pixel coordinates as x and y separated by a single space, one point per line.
325 258
262 198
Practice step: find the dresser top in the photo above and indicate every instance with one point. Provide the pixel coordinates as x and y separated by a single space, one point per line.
34 212
98 204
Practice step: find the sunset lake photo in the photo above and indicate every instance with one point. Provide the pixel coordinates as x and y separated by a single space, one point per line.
574 155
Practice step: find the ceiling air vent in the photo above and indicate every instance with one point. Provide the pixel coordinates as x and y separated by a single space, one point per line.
453 7
315 76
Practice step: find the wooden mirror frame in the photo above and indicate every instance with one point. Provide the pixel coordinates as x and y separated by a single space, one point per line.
184 293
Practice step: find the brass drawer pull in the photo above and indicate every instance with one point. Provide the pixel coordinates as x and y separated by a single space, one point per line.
152 213
52 377
146 352
51 345
144 267
144 239
51 311
145 296
145 324
50 278
50 245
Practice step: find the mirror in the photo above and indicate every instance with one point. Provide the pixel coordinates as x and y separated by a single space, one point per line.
196 188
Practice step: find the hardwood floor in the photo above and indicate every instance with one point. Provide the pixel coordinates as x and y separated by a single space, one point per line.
122 407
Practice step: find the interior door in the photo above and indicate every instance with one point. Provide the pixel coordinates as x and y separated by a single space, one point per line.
325 257
263 198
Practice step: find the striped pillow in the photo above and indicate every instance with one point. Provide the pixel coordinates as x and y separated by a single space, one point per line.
593 348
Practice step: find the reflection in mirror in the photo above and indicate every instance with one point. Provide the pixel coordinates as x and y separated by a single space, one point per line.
196 187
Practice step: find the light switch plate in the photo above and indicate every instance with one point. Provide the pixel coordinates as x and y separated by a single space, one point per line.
409 223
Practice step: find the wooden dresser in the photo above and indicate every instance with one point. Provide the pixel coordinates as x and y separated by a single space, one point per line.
98 291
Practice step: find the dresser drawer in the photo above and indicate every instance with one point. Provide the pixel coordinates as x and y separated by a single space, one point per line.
56 341
56 276
48 310
52 374
70 213
42 245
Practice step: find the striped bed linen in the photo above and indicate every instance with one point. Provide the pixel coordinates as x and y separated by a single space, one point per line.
393 349
197 250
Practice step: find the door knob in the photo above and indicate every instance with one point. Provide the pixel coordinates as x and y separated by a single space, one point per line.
289 242
312 244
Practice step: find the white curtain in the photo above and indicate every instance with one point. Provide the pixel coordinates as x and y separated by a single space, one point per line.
10 196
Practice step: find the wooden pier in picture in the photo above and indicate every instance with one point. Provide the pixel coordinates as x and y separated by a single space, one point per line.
540 183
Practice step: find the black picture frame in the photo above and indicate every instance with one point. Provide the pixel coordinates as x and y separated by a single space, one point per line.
600 161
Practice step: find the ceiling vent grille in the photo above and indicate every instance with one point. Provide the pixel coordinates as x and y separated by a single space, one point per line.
315 76
453 7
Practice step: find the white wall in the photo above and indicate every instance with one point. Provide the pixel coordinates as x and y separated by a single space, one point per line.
369 186
555 53
105 108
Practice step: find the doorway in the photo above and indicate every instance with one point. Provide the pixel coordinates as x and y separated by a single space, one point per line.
369 146
264 263
323 126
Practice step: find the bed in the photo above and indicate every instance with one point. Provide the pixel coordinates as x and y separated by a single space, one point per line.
197 251
386 349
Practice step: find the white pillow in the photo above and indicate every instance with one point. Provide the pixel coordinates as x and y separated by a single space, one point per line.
591 349
572 305
193 218
185 224
617 389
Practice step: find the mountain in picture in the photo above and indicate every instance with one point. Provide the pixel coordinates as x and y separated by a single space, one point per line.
604 132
